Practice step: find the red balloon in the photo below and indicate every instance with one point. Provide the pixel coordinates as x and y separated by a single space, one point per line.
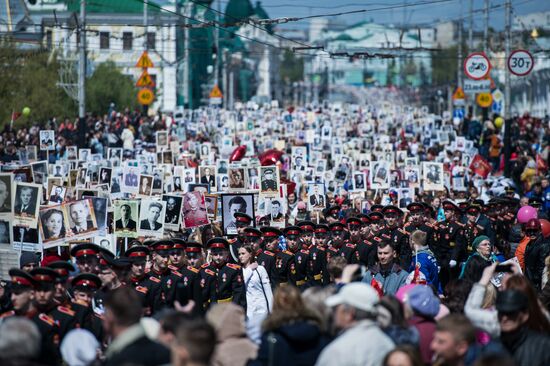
545 224
238 154
192 164
270 157
290 185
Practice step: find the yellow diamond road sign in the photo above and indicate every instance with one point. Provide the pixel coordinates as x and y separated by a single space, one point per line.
145 80
144 61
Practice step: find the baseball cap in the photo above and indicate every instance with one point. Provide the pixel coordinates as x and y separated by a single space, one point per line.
356 294
422 301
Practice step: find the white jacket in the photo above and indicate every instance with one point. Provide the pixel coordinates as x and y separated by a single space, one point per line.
363 345
255 298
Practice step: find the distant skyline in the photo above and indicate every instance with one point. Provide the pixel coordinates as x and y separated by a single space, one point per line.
422 14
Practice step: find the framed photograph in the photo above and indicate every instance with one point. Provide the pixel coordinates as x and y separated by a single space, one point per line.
6 232
26 239
405 197
211 206
380 175
58 171
47 140
299 158
116 182
131 179
82 177
359 183
6 189
32 152
151 218
199 187
53 225
39 171
458 184
277 210
125 217
412 175
57 194
106 242
411 162
237 178
222 166
223 182
207 175
26 204
81 218
162 139
316 198
84 154
100 205
269 183
145 185
432 176
194 210
114 153
233 203
158 176
172 220
105 175
401 157
73 176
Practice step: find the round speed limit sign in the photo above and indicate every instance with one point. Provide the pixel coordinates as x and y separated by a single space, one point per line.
520 62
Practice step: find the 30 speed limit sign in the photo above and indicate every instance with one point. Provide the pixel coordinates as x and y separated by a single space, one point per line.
520 62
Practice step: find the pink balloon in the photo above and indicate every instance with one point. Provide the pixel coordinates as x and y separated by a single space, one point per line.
526 213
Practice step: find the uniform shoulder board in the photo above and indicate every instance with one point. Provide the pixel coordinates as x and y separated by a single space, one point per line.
231 241
80 302
460 223
234 266
192 269
172 267
403 231
46 319
480 227
177 273
154 279
269 253
210 272
376 238
429 224
143 290
288 252
66 310
305 251
349 245
206 265
7 314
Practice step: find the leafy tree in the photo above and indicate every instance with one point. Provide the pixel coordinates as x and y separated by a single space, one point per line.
292 67
444 65
108 85
30 80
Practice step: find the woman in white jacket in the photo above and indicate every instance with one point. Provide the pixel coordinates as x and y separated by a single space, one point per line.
259 298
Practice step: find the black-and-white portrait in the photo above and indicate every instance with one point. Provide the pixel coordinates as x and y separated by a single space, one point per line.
6 184
151 217
125 217
231 204
26 204
47 140
53 224
81 217
172 219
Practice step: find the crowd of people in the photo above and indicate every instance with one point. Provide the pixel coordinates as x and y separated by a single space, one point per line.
322 235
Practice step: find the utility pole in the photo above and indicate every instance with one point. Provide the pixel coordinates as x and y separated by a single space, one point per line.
186 66
507 91
217 43
82 63
486 27
471 28
225 82
145 24
459 65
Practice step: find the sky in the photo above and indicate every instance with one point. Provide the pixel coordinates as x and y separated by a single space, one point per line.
422 14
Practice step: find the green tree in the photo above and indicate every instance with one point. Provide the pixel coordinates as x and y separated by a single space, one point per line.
30 80
292 67
444 64
108 85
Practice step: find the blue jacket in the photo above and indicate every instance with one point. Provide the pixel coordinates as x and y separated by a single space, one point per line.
428 267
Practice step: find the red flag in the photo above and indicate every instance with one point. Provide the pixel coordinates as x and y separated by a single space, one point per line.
541 164
376 285
15 116
480 166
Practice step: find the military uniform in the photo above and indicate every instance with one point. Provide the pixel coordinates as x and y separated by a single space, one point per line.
268 260
318 273
285 267
189 285
398 237
346 250
88 282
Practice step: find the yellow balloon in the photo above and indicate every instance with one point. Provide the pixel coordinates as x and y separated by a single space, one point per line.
26 111
499 121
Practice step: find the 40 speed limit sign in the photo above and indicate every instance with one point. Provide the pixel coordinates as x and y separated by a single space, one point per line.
520 62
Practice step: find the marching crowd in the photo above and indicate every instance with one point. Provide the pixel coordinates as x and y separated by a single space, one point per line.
349 275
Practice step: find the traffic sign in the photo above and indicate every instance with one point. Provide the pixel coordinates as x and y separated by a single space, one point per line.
145 96
145 80
477 66
477 86
520 62
458 113
498 101
484 100
144 61
458 94
216 95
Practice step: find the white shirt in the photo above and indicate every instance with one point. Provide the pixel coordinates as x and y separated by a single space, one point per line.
255 298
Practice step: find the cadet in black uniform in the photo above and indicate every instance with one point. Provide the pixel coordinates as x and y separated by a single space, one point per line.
307 233
318 274
284 259
366 247
398 236
416 222
44 300
189 285
22 286
145 288
300 265
339 246
165 281
224 280
86 256
84 286
449 236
